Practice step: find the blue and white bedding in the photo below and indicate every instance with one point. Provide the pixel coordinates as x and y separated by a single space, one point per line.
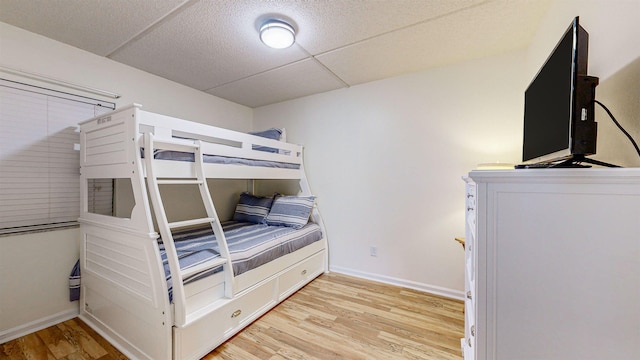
250 245
216 159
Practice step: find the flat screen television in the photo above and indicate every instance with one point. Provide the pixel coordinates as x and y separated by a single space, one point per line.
559 125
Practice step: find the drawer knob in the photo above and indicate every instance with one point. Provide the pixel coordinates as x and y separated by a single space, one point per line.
236 313
303 272
469 294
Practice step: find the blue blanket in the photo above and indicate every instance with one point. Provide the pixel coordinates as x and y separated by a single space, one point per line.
74 282
217 159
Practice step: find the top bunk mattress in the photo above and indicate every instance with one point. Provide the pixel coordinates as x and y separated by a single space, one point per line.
216 159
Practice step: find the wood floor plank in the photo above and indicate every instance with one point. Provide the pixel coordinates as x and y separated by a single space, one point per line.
112 352
333 317
27 347
352 337
84 343
232 351
56 342
418 350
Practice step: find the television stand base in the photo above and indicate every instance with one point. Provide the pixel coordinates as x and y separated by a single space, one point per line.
577 160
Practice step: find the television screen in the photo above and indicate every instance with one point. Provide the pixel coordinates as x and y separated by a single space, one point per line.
558 105
547 104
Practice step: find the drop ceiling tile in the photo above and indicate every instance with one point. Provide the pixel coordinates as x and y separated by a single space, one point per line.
302 78
208 44
327 25
98 26
489 29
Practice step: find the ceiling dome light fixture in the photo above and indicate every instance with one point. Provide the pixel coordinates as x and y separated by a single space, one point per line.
277 34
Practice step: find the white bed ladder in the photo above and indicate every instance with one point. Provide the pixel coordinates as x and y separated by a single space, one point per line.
182 317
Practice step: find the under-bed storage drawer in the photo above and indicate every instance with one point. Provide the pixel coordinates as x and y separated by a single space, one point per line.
300 274
224 322
248 307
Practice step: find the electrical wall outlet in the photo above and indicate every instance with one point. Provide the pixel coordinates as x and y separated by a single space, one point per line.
373 251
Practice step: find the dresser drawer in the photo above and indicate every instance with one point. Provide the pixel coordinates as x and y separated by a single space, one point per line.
300 274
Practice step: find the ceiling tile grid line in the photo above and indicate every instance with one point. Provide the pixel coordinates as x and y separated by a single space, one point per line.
326 68
406 27
258 73
297 80
161 20
309 57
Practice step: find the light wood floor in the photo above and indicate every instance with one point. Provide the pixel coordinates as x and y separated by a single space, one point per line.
334 317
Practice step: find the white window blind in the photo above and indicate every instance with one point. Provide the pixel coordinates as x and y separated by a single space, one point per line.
39 157
100 196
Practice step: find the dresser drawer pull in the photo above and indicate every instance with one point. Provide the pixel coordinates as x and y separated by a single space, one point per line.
303 272
469 294
473 330
469 342
236 313
469 209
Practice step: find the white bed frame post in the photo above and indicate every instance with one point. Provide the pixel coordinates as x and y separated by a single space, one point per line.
123 290
305 190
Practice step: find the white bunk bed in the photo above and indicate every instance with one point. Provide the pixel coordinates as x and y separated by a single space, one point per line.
124 295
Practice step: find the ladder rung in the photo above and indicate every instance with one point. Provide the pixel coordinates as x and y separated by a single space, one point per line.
180 182
211 264
179 224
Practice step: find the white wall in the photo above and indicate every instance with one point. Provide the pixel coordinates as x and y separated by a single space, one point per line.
386 160
386 157
621 94
34 268
34 280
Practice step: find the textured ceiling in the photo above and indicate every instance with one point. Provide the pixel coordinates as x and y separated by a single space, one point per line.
213 45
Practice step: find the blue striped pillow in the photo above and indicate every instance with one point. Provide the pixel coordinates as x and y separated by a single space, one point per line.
272 133
291 211
252 209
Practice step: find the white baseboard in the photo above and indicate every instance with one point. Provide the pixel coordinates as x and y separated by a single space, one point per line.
36 325
432 289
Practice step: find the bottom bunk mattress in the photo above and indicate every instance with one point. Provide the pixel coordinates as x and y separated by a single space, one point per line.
250 245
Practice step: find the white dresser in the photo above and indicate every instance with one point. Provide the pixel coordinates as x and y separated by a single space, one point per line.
552 264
